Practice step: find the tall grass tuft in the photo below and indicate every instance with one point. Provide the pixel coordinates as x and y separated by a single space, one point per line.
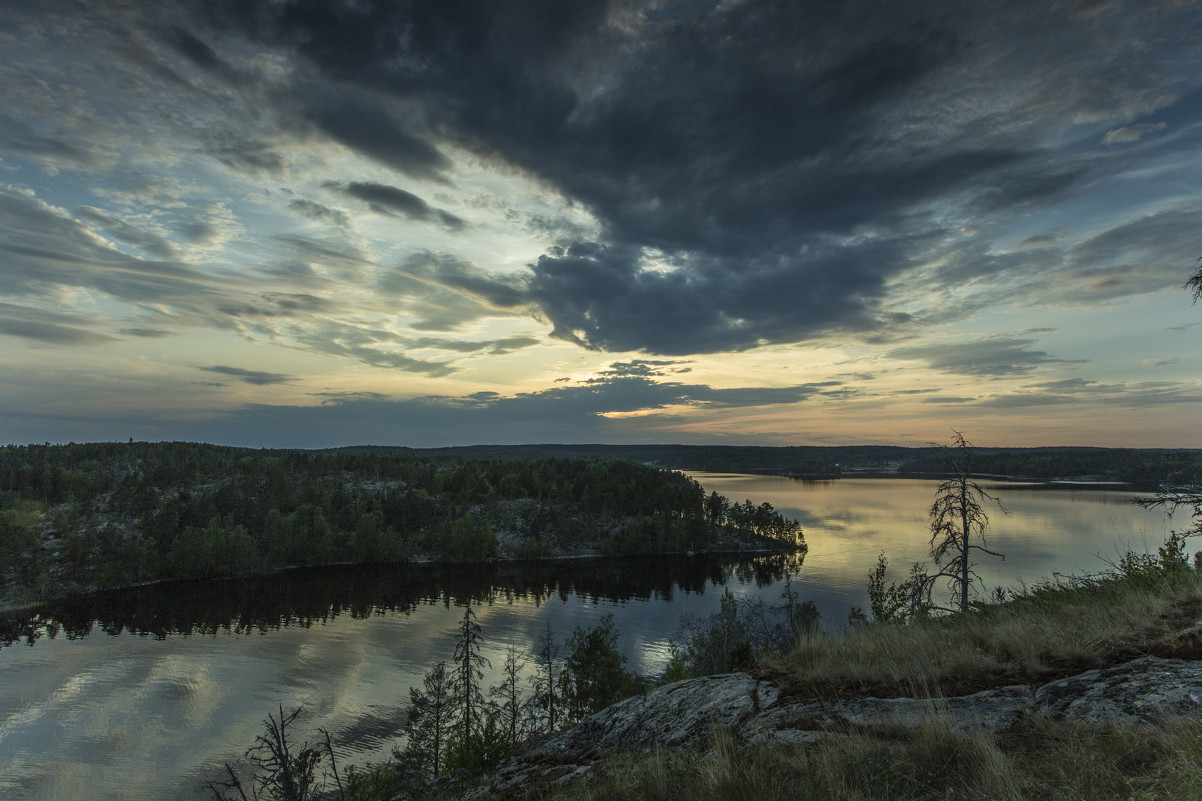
1042 633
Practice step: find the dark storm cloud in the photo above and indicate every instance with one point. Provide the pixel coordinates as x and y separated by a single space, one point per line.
606 298
760 170
255 377
389 199
1001 356
647 368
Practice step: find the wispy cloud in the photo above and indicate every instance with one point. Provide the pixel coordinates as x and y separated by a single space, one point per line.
255 377
1000 356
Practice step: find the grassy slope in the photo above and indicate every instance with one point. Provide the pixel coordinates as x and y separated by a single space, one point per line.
1046 633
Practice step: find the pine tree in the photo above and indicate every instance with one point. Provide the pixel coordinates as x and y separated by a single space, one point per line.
510 705
545 681
594 673
430 722
467 699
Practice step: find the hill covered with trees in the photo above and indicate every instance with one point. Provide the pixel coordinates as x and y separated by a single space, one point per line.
84 516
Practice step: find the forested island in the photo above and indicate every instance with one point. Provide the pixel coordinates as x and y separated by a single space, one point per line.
80 517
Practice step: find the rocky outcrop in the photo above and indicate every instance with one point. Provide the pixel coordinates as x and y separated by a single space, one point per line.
1142 691
684 714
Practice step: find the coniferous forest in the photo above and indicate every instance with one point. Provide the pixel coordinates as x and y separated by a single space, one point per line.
85 516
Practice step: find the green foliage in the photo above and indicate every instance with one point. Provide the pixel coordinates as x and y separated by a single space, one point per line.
430 723
467 700
741 635
115 513
893 603
376 782
1170 560
594 675
486 748
509 705
469 538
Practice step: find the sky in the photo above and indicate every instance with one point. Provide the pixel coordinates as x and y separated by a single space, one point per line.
312 223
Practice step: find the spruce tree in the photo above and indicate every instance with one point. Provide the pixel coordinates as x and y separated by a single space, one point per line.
430 721
467 699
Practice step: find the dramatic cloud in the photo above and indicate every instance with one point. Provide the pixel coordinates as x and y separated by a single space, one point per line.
746 197
452 203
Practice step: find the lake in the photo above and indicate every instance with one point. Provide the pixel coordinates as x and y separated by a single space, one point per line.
143 694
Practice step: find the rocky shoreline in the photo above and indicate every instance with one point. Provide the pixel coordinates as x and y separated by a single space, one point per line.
684 715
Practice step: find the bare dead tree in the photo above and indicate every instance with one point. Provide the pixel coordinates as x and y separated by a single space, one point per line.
958 523
1186 495
1194 284
283 772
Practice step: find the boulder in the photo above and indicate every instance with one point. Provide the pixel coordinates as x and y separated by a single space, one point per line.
1145 690
676 714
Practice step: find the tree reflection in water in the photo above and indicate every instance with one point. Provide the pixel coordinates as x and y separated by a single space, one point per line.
317 595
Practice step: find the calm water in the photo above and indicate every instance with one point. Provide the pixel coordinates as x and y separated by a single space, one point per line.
142 695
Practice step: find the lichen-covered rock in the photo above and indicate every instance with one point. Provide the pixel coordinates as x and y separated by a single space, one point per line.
994 710
682 713
1144 690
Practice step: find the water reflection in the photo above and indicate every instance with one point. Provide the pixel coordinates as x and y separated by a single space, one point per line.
142 694
302 598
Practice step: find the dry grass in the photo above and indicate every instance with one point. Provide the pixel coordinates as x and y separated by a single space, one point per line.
1046 633
1044 759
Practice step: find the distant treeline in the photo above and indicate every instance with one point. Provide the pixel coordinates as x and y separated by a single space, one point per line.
1145 467
1142 468
817 462
85 516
